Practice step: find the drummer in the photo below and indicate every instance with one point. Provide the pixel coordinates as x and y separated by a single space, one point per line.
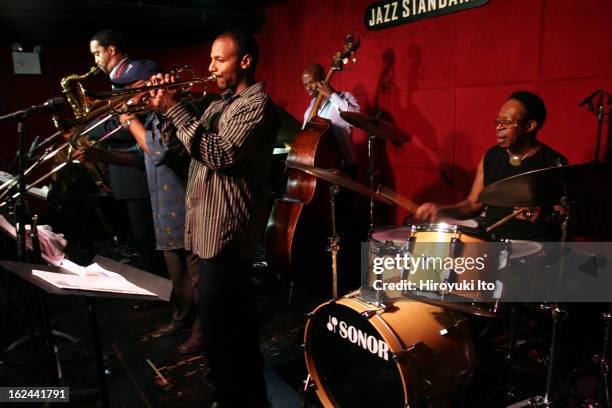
517 151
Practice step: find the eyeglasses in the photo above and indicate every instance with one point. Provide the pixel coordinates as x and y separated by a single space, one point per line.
507 123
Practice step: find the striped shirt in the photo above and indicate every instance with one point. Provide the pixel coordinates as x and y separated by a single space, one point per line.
231 148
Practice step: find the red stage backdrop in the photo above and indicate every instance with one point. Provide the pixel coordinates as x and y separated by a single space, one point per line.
442 79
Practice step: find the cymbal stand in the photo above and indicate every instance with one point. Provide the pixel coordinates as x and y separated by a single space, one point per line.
371 179
604 394
510 391
558 313
333 242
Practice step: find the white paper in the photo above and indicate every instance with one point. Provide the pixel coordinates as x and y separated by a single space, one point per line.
92 270
73 268
98 283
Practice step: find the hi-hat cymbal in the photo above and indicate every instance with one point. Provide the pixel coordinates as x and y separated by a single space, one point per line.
376 127
334 177
547 186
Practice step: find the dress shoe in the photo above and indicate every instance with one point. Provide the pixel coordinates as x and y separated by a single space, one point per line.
193 345
173 329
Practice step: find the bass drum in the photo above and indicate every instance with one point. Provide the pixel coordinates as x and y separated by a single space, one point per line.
408 354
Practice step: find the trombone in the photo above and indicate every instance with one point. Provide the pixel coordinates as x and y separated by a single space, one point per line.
88 106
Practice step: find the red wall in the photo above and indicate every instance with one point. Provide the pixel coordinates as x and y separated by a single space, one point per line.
444 79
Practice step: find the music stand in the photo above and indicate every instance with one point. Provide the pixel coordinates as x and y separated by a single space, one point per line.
161 287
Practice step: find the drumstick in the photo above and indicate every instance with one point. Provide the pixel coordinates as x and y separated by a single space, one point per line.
397 198
507 218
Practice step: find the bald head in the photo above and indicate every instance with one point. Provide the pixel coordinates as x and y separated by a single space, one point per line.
311 74
316 71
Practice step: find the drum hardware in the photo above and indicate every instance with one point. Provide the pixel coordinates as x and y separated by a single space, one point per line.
604 368
456 325
379 308
374 127
334 176
397 355
337 180
440 241
371 175
558 314
307 386
428 377
455 248
333 242
545 187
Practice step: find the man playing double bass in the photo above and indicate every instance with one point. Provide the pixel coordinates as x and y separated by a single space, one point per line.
335 102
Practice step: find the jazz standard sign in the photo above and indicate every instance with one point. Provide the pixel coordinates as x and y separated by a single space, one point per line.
390 13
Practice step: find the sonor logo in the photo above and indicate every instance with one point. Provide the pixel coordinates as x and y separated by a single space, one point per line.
358 337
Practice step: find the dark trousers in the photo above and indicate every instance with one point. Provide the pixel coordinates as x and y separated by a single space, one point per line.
228 312
183 270
141 223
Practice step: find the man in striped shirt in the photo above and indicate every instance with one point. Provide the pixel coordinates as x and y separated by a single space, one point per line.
231 149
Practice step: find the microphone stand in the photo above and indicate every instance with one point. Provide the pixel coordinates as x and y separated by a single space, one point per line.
600 114
39 326
607 152
21 212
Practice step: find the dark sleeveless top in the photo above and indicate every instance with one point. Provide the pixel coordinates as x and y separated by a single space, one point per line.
497 167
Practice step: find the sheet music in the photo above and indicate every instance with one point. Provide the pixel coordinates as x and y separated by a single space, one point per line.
92 270
98 283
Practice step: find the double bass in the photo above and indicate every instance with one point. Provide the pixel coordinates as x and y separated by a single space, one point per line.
298 226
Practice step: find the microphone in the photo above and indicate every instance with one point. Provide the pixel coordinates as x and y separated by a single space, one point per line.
49 106
588 99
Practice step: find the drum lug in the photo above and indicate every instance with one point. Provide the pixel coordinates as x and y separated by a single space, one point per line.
410 244
369 313
308 384
455 247
456 325
397 355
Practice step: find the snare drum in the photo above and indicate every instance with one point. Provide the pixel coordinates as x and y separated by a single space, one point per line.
435 247
408 354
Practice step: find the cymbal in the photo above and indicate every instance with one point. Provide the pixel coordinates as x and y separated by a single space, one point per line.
547 186
376 127
334 177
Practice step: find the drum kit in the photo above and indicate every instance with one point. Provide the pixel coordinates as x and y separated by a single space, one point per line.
412 348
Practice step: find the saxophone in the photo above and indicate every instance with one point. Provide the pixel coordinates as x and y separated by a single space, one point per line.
84 112
75 96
